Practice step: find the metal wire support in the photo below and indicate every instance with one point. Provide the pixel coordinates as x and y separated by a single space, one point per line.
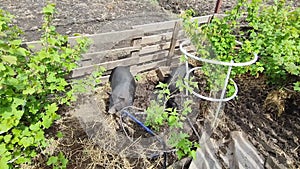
215 62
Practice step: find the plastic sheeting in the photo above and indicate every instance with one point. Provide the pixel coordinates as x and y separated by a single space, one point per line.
235 153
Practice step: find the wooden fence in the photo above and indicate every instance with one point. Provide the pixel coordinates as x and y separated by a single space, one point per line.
143 47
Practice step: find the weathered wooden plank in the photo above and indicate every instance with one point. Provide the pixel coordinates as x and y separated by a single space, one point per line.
102 41
155 56
82 71
104 78
150 66
136 55
164 37
156 38
173 42
133 70
141 59
142 68
37 45
152 27
154 48
103 56
162 71
158 47
106 41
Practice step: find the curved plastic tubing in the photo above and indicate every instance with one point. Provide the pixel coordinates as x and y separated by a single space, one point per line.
209 98
139 123
215 61
150 132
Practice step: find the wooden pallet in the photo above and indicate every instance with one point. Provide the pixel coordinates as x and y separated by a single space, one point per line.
143 47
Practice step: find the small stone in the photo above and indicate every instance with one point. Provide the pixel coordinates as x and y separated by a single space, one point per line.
99 19
34 28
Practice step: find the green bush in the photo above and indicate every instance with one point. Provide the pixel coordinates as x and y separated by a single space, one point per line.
217 40
158 116
272 32
277 36
32 87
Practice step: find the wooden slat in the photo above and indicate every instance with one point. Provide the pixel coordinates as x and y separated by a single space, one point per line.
157 47
82 71
152 27
154 53
104 78
99 57
145 67
106 41
156 38
35 44
155 56
154 48
102 41
173 42
149 66
164 37
136 55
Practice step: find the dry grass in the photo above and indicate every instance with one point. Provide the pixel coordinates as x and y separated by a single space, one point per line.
95 140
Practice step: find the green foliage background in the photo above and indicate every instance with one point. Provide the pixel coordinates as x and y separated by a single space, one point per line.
32 87
272 33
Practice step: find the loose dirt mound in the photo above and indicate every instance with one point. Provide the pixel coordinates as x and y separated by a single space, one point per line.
275 135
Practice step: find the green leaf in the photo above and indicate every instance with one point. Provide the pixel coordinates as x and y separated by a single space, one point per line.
52 108
9 59
7 138
138 77
64 162
27 141
162 85
21 51
51 77
15 42
180 154
52 160
297 86
47 121
49 9
2 67
59 134
33 154
4 162
35 127
193 154
182 59
2 148
172 120
29 91
22 160
39 136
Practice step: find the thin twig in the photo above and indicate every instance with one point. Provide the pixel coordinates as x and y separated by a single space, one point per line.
195 131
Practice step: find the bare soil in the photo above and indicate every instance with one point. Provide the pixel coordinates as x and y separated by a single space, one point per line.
86 17
270 116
